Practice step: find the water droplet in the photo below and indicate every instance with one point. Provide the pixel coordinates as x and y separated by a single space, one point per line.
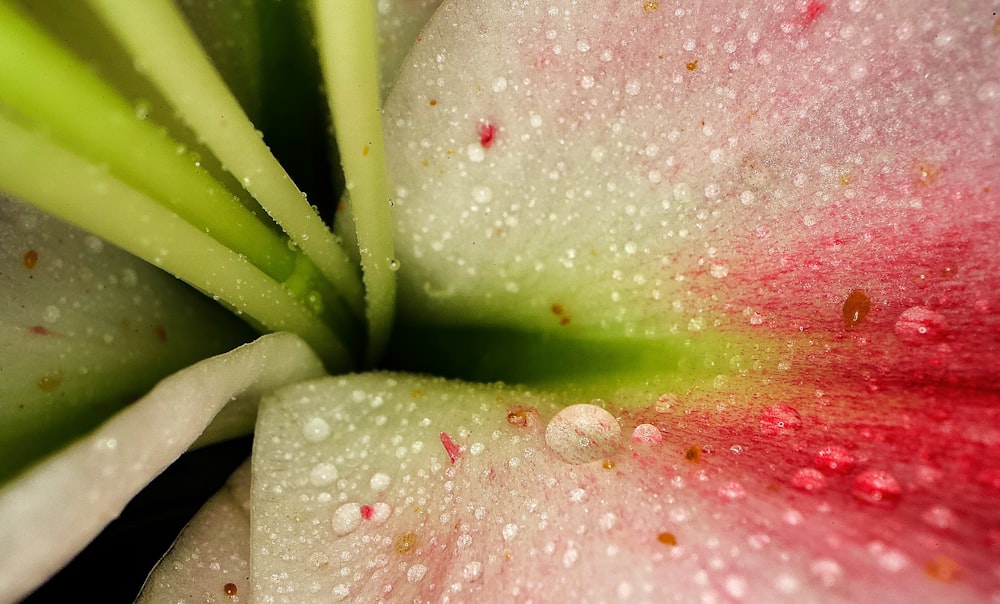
509 531
827 571
919 325
877 487
346 518
719 270
379 482
809 480
833 460
472 571
416 573
475 153
732 491
500 84
316 429
323 474
780 420
394 265
340 592
583 433
51 314
647 434
940 517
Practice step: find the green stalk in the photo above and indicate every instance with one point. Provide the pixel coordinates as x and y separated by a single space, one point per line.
84 193
167 52
56 92
347 40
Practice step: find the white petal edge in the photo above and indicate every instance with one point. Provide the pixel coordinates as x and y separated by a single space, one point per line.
53 510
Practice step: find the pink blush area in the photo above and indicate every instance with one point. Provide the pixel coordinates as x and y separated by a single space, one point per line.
906 493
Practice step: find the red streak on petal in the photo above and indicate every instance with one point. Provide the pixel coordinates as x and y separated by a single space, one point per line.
450 447
38 330
812 12
487 133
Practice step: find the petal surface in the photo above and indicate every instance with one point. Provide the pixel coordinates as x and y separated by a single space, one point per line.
50 512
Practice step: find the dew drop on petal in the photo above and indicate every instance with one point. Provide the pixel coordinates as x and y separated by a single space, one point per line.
833 460
323 474
346 518
809 480
379 482
472 571
416 573
316 429
647 434
940 517
583 433
918 325
780 420
877 487
732 491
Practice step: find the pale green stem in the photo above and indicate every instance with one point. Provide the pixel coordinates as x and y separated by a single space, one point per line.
347 39
168 53
83 193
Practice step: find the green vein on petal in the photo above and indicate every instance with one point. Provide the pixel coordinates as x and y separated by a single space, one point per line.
28 165
167 52
348 57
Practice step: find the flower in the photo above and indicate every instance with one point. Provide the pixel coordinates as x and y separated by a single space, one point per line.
739 261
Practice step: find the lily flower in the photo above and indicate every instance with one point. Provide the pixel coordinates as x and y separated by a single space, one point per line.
635 301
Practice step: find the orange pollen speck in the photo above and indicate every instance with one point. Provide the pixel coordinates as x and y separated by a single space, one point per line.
557 309
229 589
417 393
30 259
650 6
856 308
943 569
693 454
692 65
364 151
667 539
406 542
432 102
609 464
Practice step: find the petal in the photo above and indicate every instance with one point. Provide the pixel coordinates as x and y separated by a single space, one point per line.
51 511
212 555
392 487
86 329
658 171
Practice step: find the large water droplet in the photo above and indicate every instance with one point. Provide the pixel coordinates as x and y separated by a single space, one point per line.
583 433
877 487
346 518
919 325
